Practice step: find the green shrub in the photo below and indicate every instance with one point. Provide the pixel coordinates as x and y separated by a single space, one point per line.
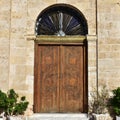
3 102
10 103
115 101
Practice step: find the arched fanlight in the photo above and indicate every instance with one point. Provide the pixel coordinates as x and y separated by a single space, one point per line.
61 20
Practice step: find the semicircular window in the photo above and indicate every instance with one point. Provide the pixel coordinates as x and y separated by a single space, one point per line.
61 20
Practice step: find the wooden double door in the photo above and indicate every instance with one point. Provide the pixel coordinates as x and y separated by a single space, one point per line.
60 79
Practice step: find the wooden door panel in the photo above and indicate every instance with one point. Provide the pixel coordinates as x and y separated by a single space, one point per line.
49 78
71 89
60 78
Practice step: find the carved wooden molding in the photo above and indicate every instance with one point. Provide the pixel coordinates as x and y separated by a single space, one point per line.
58 40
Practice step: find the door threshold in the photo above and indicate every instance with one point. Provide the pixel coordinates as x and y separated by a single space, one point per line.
59 116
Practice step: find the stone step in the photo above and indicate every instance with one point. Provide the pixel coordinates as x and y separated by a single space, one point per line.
58 116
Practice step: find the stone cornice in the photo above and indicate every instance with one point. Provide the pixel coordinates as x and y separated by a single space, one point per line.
91 37
61 39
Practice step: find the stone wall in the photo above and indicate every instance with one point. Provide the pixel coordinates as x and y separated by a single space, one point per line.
4 43
109 43
17 25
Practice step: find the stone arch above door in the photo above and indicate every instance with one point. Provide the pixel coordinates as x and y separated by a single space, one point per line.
61 20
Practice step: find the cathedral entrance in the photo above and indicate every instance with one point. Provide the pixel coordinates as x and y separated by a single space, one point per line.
60 64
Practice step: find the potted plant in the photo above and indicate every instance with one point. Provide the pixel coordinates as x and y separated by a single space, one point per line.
115 102
11 105
98 104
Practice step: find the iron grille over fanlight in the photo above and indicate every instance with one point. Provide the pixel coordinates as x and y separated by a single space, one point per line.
61 20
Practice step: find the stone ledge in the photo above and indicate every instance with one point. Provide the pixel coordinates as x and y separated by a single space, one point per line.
58 116
91 37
